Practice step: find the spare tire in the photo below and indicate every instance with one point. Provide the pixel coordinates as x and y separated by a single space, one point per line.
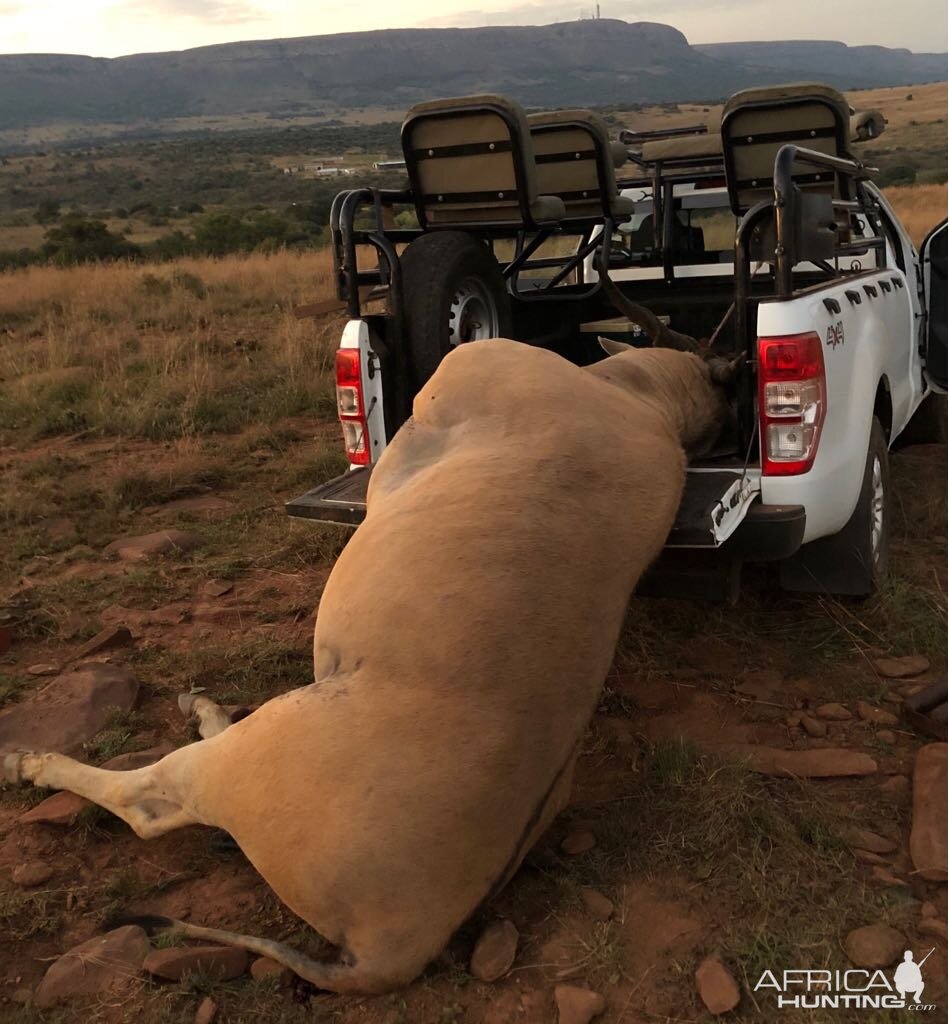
453 292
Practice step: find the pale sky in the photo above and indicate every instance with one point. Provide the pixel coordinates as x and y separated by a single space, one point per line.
109 28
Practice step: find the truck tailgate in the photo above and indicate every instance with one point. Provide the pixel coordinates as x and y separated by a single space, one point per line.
715 502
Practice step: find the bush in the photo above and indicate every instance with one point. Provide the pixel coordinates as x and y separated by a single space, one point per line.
80 240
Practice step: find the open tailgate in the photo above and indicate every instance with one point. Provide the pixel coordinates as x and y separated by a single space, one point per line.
715 502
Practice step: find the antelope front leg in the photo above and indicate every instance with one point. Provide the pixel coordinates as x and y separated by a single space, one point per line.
140 797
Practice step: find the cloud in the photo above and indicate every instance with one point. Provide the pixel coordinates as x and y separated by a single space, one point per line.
214 12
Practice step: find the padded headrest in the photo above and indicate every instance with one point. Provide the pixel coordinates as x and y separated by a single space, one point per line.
683 147
866 125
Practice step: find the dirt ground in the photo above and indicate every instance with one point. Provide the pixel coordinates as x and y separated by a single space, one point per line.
698 854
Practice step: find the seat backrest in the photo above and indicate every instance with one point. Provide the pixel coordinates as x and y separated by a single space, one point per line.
756 123
576 162
471 163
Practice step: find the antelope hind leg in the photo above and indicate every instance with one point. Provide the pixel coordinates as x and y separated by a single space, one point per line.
141 797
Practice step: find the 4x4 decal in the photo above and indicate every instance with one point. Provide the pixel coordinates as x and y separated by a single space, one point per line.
835 334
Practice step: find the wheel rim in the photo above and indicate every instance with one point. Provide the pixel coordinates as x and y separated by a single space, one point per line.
472 315
877 510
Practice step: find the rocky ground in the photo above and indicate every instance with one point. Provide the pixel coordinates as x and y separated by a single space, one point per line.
750 795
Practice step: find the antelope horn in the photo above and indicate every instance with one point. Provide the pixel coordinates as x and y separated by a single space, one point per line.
658 333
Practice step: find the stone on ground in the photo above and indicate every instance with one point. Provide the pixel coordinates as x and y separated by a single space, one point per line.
933 926
600 906
809 764
927 840
224 962
43 668
105 640
69 710
578 841
206 1012
717 989
150 545
864 839
263 968
814 727
217 588
59 809
32 873
577 1005
902 668
896 789
833 712
876 716
494 951
884 877
104 964
874 945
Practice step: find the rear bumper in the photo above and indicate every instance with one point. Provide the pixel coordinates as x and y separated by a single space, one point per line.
767 533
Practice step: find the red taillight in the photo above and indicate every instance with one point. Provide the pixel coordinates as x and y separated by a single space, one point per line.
350 406
792 402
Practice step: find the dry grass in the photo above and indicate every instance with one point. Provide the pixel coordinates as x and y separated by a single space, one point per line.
919 207
197 347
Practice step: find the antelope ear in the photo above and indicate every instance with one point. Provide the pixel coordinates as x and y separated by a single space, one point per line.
613 348
723 371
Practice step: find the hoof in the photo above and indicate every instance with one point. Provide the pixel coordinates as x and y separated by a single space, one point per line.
12 767
186 703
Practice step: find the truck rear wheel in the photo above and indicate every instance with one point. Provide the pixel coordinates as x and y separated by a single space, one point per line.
453 292
854 561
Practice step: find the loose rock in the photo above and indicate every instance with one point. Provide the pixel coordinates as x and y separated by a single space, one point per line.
896 789
106 640
932 926
877 716
43 668
902 668
813 726
874 945
104 964
868 858
577 1005
59 809
885 736
494 951
69 710
577 842
887 878
224 962
263 968
32 873
150 545
833 713
206 1012
809 764
864 839
195 503
716 987
596 903
217 588
927 840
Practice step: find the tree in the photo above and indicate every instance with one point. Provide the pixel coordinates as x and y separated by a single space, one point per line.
46 211
78 239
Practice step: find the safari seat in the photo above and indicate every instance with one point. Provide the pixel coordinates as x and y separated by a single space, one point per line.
576 162
471 165
756 123
866 125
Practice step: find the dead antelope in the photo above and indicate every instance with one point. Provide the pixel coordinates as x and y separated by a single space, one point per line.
461 644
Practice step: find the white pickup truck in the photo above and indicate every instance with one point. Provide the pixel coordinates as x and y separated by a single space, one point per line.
766 236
